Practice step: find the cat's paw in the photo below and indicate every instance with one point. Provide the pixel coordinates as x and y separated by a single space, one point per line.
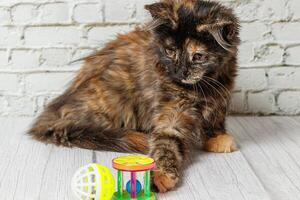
60 134
222 143
163 181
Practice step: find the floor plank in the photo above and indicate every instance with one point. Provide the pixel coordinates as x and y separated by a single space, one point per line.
220 176
271 146
11 144
57 174
31 170
296 118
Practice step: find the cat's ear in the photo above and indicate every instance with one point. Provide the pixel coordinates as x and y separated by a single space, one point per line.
226 34
162 11
230 31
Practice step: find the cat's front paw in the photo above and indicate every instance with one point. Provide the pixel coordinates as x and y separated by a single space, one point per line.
222 143
164 181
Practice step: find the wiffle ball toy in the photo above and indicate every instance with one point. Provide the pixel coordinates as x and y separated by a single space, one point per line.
96 182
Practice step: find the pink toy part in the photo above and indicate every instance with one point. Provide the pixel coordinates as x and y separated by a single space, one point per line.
133 185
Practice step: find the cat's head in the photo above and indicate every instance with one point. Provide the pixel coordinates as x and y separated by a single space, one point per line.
194 37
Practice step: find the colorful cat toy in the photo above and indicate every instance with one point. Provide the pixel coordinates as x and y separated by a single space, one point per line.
95 182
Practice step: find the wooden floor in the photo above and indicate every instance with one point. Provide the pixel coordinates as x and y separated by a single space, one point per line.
267 165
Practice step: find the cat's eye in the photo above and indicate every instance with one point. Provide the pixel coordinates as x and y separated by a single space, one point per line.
171 52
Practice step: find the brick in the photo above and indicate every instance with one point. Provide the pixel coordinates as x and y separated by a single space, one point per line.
43 36
251 79
263 102
3 58
286 32
55 13
276 10
24 13
284 78
237 102
104 34
246 53
269 54
292 56
4 15
9 36
87 13
294 6
254 32
246 11
55 57
3 105
126 10
289 102
261 10
19 106
45 83
9 83
25 59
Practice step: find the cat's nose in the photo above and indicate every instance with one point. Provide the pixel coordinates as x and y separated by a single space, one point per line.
197 57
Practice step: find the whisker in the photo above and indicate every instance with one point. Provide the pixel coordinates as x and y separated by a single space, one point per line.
214 89
215 103
220 84
195 90
224 99
228 93
202 91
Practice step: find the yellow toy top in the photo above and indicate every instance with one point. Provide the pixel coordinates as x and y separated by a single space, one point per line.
133 163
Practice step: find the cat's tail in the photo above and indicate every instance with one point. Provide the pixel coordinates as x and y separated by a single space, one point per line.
49 129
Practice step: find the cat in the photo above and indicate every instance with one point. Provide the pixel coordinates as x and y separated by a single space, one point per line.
161 90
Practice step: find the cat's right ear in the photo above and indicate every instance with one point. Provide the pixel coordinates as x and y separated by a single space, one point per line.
162 11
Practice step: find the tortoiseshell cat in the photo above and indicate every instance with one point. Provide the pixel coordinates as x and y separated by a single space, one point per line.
158 90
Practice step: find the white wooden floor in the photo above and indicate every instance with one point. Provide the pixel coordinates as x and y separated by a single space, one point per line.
267 165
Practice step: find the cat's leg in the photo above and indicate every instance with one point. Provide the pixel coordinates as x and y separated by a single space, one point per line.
169 152
170 143
220 141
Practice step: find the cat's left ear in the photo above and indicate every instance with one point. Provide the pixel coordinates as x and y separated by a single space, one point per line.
162 11
230 31
226 34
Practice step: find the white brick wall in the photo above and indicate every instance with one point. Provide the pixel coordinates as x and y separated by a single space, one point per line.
38 39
